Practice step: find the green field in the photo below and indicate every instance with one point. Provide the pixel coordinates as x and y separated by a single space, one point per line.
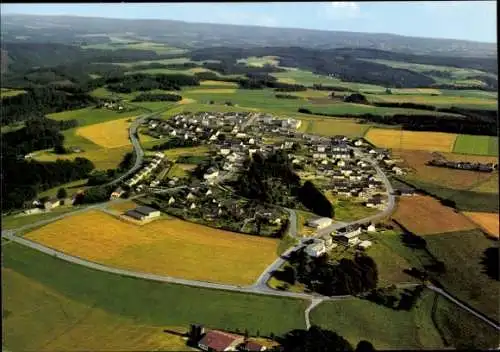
259 61
90 116
71 188
157 47
7 92
433 323
153 303
470 93
437 101
12 127
10 222
478 145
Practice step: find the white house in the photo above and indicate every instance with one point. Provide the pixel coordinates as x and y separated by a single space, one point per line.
211 175
225 151
365 244
171 201
315 249
371 228
319 223
358 143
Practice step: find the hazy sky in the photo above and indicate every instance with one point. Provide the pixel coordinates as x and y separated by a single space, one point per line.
470 20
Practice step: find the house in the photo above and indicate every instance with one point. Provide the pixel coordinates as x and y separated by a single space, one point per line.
143 213
349 238
358 143
215 340
252 346
397 170
373 202
371 228
364 244
192 206
341 163
51 204
32 211
319 223
117 193
315 249
171 201
211 174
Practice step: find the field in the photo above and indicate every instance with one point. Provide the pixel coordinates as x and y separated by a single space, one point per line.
488 186
213 91
56 322
6 92
438 101
218 84
157 47
357 320
180 170
424 215
166 247
13 221
431 141
487 221
123 206
90 116
347 210
111 134
416 161
143 302
481 145
260 61
173 154
71 188
332 127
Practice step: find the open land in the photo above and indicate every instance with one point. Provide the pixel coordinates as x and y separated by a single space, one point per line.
90 116
169 247
333 127
488 186
431 141
424 215
487 221
167 304
481 145
7 92
111 134
438 101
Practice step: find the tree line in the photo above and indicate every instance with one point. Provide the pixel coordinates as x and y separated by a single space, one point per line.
157 97
145 82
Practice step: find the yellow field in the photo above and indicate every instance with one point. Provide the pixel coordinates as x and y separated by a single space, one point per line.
416 91
186 101
487 221
123 206
173 154
41 319
166 247
103 158
436 100
489 186
395 139
218 83
214 91
111 134
332 127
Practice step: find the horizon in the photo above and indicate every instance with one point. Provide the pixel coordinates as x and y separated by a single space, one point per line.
347 16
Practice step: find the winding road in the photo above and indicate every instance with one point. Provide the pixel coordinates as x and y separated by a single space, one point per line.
260 286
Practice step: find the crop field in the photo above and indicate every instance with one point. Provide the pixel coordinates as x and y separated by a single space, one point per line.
488 186
424 215
158 47
438 101
394 139
178 60
260 61
487 221
481 145
218 84
10 222
55 322
168 305
341 108
356 319
470 93
123 206
332 127
173 154
7 92
462 253
111 134
199 107
213 91
165 247
416 161
90 116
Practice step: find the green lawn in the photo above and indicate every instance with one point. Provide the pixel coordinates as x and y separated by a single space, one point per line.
153 303
90 116
13 222
347 210
470 93
71 188
479 145
259 61
357 320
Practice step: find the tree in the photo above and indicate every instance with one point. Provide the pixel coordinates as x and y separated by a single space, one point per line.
61 193
59 149
388 91
315 339
364 346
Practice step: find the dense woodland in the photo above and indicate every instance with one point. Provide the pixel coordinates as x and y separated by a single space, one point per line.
157 97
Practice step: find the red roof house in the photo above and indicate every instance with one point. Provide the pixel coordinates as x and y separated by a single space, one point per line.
219 341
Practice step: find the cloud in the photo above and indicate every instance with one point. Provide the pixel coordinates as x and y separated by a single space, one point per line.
342 10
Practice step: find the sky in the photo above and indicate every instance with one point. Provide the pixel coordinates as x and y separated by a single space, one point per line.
468 20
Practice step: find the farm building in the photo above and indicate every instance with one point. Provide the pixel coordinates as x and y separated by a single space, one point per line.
365 244
215 340
143 213
316 249
319 223
252 346
117 193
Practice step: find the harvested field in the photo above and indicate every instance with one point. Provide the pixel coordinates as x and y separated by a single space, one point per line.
417 160
395 139
165 247
424 215
487 221
112 134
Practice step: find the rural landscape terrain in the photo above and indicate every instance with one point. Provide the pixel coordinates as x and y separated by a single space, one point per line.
180 186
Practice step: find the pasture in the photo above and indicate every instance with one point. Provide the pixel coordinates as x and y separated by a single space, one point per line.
147 303
218 84
164 247
416 161
173 154
488 186
159 48
7 92
90 116
356 319
332 127
480 145
394 139
486 221
71 187
111 134
15 221
424 215
260 61
56 322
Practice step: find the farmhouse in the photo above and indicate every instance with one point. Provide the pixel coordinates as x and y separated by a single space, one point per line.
143 213
215 340
316 249
252 346
319 223
365 244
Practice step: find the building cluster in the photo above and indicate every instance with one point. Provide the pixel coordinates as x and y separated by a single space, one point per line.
463 165
218 340
146 171
143 213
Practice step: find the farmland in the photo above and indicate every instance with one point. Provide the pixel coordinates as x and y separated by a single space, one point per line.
438 101
7 92
260 61
157 47
393 139
424 215
416 161
71 187
173 154
481 145
90 116
111 134
167 304
488 186
332 127
15 221
487 221
167 247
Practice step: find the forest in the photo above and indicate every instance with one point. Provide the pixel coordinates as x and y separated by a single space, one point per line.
145 82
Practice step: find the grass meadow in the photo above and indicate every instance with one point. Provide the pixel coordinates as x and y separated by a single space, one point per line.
480 145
